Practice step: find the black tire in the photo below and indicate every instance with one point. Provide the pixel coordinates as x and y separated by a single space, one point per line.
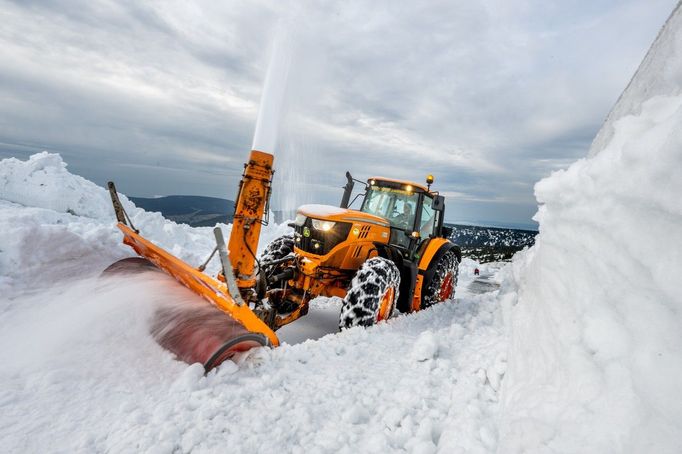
130 265
362 305
442 285
277 249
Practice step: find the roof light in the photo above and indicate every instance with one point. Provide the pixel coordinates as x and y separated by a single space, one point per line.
408 188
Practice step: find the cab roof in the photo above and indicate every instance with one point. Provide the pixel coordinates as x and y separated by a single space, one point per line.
417 186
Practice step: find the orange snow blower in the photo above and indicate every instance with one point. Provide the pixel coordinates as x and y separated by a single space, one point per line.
210 334
390 255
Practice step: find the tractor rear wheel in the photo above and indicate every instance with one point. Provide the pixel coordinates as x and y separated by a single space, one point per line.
372 295
442 285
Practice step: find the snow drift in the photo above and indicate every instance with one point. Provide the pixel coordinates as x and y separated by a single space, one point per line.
596 352
68 221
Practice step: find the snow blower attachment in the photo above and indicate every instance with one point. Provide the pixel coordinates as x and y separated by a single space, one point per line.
392 254
196 331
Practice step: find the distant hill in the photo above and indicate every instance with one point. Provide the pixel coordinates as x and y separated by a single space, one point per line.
197 211
490 244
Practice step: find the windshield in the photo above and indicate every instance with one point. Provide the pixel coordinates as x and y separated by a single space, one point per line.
395 205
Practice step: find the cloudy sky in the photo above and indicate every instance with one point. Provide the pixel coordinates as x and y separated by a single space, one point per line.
163 96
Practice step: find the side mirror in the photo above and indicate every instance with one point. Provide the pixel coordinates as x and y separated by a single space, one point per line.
438 203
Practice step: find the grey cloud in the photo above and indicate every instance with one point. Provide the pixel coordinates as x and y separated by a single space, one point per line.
163 97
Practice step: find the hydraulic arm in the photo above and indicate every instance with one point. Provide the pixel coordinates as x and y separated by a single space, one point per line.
250 208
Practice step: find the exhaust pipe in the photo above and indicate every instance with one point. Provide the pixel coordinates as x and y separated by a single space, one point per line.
347 190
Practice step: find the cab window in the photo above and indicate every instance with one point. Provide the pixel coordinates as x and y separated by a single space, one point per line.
395 205
428 218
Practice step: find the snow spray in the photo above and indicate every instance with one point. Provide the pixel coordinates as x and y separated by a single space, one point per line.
72 324
278 128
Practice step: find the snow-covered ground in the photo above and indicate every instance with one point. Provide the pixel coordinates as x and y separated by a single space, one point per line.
574 347
81 373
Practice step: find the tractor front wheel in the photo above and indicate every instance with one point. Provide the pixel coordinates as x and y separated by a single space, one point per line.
372 295
277 249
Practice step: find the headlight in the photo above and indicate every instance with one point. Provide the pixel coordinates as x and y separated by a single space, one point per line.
325 226
300 219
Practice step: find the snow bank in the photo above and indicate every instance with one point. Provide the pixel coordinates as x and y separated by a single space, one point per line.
664 60
596 346
44 182
57 225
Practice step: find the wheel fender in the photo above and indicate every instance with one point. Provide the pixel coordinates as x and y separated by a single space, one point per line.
436 248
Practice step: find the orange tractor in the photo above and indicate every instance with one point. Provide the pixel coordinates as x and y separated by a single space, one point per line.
390 255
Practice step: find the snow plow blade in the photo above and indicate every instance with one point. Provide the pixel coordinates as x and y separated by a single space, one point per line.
197 331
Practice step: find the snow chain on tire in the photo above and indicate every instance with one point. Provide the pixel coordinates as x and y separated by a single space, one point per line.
362 304
278 248
447 265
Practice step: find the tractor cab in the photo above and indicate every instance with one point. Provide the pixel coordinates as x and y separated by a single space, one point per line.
414 212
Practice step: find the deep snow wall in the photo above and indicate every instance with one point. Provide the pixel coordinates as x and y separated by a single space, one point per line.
662 59
596 332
